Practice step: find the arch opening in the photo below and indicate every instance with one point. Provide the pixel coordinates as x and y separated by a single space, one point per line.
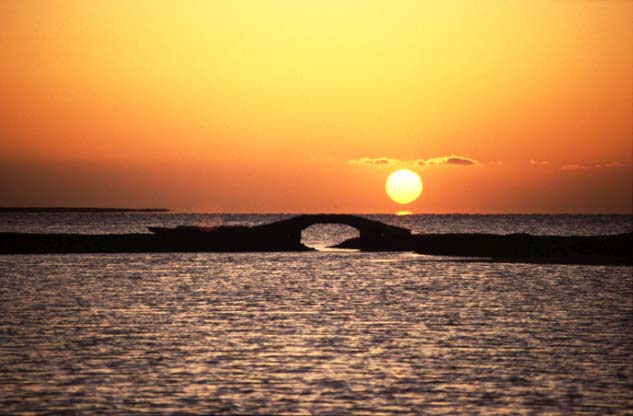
323 236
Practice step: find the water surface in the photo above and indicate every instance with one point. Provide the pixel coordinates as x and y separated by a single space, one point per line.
326 332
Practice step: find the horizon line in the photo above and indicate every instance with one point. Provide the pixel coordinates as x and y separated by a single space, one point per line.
71 209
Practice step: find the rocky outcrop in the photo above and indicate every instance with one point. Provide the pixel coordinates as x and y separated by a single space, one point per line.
605 249
285 235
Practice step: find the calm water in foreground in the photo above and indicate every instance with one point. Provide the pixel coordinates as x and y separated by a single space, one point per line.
326 332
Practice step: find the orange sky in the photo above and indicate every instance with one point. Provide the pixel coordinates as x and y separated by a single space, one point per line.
284 106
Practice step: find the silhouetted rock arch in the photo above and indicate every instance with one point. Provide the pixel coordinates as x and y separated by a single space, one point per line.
369 230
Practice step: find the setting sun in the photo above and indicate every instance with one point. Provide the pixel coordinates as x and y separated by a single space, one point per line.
403 186
307 106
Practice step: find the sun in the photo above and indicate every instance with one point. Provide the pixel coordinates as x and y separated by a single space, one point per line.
403 186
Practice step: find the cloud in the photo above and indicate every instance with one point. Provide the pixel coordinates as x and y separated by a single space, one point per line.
539 162
373 161
576 166
447 160
434 161
457 160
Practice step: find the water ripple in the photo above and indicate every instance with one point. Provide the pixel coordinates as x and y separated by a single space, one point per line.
312 333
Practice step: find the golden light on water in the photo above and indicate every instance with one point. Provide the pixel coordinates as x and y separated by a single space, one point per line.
404 186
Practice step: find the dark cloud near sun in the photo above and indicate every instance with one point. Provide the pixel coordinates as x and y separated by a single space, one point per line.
447 160
454 160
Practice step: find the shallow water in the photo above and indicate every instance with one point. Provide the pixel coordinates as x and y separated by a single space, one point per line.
320 333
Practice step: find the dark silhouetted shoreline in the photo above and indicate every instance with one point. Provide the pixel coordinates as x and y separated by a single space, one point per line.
517 248
285 235
81 210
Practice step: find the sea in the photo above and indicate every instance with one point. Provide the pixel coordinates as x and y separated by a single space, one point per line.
332 332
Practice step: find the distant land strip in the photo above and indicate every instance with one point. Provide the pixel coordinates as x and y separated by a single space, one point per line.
70 209
285 235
